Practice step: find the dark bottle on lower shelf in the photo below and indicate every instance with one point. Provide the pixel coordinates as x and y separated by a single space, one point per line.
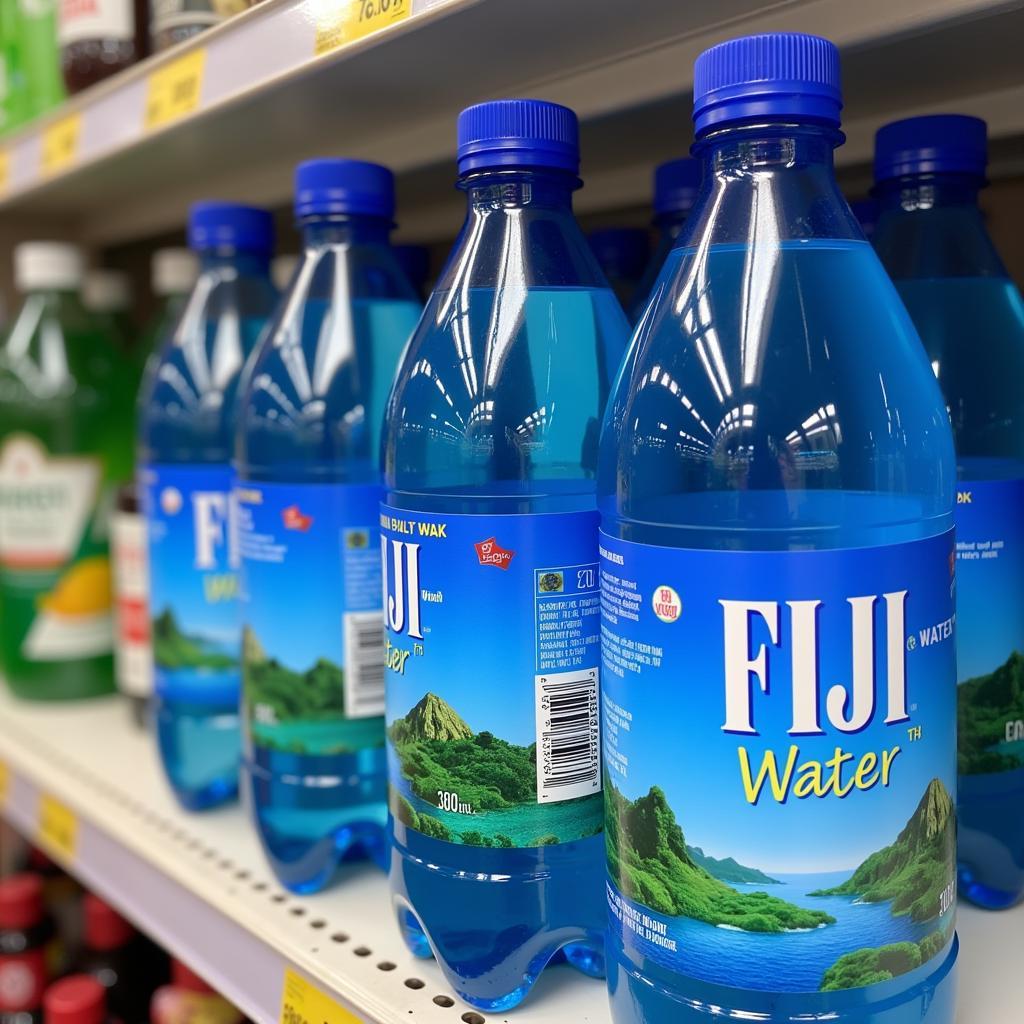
26 939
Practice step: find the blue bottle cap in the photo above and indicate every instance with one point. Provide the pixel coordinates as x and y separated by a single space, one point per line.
785 75
344 187
518 133
935 144
676 184
622 252
213 225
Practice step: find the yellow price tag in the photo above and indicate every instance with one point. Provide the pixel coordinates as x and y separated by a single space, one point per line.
174 90
340 23
5 783
5 170
303 1003
58 827
60 144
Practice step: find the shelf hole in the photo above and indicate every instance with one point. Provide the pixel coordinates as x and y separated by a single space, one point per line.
278 897
298 911
318 923
241 876
444 1000
414 983
386 965
259 886
226 865
362 951
210 853
339 937
473 1018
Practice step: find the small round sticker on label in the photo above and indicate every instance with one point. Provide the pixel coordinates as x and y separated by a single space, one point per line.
666 604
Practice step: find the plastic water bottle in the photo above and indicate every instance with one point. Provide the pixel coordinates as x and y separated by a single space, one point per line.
932 239
308 493
622 255
776 487
676 183
185 446
490 563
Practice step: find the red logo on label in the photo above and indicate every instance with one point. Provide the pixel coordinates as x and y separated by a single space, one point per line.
295 520
490 552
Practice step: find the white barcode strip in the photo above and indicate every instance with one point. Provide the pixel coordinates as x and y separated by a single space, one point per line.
568 735
364 664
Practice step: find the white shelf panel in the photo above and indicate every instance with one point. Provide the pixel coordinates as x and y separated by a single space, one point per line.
268 100
199 885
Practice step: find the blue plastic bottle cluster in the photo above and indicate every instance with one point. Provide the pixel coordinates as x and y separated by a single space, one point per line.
661 680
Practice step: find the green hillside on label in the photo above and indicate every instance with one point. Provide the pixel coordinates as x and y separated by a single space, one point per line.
984 705
173 649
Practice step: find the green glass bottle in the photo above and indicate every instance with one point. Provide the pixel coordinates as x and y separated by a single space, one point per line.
39 55
65 444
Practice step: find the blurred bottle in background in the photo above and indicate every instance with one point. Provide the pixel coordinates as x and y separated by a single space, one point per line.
623 254
98 38
107 295
188 999
38 55
173 21
27 937
77 999
415 263
866 212
282 270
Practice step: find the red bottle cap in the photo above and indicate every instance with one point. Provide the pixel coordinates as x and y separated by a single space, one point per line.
184 977
21 901
78 999
105 928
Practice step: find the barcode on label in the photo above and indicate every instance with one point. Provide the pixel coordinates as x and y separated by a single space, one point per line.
364 664
568 736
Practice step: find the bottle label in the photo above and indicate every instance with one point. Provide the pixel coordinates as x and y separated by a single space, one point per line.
193 579
779 754
112 20
53 554
133 655
990 610
313 635
491 652
22 981
172 14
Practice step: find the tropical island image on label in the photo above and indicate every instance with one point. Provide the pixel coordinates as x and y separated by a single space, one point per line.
797 936
176 650
985 705
301 712
476 788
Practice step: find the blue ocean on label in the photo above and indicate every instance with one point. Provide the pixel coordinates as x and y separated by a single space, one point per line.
491 654
780 779
194 583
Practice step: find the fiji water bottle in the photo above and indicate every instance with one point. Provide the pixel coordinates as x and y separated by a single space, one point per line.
676 183
490 563
932 239
622 255
185 446
308 493
776 484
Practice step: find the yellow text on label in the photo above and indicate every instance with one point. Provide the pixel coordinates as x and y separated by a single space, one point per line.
303 1003
174 90
58 827
60 144
338 23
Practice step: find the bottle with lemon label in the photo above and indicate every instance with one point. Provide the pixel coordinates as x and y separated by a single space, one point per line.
66 441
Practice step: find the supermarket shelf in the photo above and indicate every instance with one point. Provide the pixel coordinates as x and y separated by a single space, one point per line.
198 884
268 99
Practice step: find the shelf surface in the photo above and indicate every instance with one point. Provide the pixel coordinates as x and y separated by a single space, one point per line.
198 884
278 84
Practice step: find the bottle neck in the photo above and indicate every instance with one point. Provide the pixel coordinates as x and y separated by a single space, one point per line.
931 226
766 184
345 230
241 261
504 189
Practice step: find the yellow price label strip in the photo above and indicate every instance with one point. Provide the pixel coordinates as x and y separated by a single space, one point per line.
5 783
341 23
58 827
60 144
303 1003
5 170
174 90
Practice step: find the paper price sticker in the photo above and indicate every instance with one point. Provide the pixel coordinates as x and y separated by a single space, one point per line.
303 1003
60 144
5 170
340 23
5 783
174 90
58 828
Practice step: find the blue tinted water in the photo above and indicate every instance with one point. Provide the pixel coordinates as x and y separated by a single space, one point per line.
186 413
973 330
313 414
496 412
792 410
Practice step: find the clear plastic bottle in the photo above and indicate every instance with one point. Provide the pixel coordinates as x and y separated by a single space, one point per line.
490 534
65 412
173 273
776 488
308 495
186 433
622 254
931 237
676 183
